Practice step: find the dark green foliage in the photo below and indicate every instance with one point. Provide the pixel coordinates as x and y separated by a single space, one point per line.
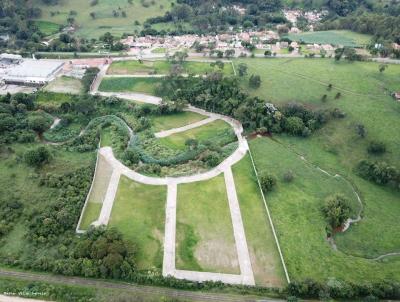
376 147
336 210
10 210
288 176
379 172
89 77
254 81
37 157
267 181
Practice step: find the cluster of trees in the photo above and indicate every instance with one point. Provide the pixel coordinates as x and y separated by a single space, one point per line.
214 16
338 289
379 172
17 123
223 95
10 210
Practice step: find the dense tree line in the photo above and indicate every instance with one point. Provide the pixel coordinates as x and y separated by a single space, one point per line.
379 172
223 95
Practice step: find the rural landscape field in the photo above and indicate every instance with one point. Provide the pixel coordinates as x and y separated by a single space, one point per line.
168 151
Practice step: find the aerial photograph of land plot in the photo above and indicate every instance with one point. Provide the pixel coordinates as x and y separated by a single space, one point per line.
195 151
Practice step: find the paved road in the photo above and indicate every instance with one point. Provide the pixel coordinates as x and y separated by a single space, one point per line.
134 288
169 132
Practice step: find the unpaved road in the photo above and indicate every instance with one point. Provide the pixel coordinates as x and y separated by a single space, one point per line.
133 288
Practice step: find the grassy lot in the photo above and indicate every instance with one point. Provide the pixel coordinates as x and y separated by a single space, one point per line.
159 50
202 133
139 213
165 122
205 239
144 85
104 20
296 211
64 85
265 261
337 147
48 28
98 193
16 177
163 67
335 37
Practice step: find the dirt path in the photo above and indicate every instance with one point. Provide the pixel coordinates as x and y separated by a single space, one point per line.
169 132
4 298
134 288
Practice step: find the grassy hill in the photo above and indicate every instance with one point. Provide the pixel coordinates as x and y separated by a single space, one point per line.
104 19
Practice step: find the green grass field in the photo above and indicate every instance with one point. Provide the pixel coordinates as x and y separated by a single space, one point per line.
98 193
64 85
139 214
337 147
296 211
165 122
335 37
47 28
265 261
202 133
104 20
144 85
163 67
204 234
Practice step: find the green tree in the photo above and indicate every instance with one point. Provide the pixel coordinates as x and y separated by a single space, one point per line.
255 81
37 157
267 182
336 210
242 69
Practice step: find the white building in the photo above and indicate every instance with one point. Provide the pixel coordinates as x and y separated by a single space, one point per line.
32 72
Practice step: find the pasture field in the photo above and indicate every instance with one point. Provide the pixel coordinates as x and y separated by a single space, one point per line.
335 37
296 212
64 84
143 85
104 20
47 28
166 122
163 67
204 234
139 214
337 147
265 261
98 193
211 130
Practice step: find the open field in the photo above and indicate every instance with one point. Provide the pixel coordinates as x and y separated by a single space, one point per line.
143 85
296 211
64 85
139 214
104 20
163 67
48 28
335 37
203 133
98 193
204 232
337 147
265 261
166 122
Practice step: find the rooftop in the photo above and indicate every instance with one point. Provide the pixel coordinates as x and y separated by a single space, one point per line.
35 68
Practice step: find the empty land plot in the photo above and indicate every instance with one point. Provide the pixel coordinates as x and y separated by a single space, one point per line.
143 85
163 67
97 194
139 214
301 227
265 261
212 130
64 84
170 121
335 37
204 233
47 28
